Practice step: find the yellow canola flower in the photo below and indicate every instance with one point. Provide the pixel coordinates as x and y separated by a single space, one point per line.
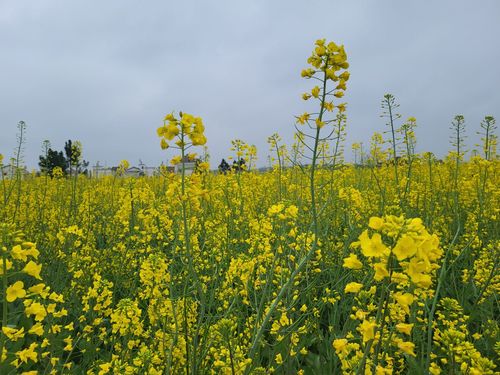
69 344
345 76
275 209
353 287
198 125
352 262
320 42
169 117
186 121
302 119
28 354
307 73
405 247
13 334
37 329
37 289
32 250
340 345
15 291
8 266
315 91
204 166
192 157
332 47
104 368
372 247
124 164
60 314
319 123
198 139
434 369
36 309
404 328
416 269
329 106
279 359
175 160
33 269
367 330
171 131
161 131
404 300
380 271
330 74
341 85
376 223
320 50
163 144
284 320
415 225
407 347
292 211
429 250
18 253
383 371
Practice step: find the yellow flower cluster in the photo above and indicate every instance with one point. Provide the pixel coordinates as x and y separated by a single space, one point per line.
403 258
188 129
32 335
328 63
413 255
122 266
455 352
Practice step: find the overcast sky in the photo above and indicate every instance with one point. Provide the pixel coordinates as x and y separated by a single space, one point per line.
107 72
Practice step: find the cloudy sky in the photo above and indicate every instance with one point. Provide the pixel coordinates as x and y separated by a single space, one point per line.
106 72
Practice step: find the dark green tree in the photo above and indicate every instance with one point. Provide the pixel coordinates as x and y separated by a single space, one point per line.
52 159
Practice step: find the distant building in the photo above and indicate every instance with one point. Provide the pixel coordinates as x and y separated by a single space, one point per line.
189 166
133 172
9 171
142 170
100 171
149 171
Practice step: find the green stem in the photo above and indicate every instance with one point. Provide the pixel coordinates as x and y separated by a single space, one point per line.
394 146
441 277
310 253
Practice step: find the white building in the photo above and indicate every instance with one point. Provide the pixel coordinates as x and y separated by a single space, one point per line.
189 166
9 171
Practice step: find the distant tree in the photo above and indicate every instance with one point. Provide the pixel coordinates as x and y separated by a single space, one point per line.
239 166
224 166
70 161
52 159
74 161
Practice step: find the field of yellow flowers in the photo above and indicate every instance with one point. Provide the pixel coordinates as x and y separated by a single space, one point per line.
320 268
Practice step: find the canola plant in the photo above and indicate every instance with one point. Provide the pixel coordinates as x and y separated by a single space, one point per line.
389 266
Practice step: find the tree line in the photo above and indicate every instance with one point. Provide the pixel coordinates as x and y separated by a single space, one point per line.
70 161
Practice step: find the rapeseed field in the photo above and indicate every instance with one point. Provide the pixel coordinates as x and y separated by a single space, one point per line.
318 266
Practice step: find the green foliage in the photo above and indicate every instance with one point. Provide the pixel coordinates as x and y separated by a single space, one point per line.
51 160
70 161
